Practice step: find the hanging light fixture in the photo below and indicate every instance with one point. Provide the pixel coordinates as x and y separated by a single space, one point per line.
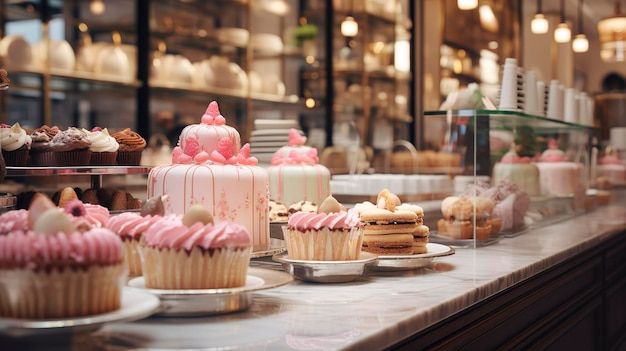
539 24
562 33
467 4
612 31
580 43
349 26
96 7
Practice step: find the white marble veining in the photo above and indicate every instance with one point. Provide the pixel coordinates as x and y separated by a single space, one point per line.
377 310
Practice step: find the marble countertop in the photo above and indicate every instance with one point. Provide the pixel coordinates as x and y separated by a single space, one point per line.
378 310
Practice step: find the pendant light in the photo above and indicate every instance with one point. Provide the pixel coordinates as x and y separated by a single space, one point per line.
580 43
539 24
562 33
349 26
612 31
467 4
96 7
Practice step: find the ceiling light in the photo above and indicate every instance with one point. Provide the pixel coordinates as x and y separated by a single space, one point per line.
349 27
580 43
467 4
96 7
539 24
612 31
488 19
562 33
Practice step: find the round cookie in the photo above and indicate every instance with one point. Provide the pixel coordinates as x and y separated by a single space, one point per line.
381 221
388 244
420 239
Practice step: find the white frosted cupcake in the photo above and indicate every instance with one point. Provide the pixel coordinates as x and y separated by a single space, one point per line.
331 234
190 252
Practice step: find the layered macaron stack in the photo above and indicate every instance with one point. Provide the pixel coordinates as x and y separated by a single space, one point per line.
393 228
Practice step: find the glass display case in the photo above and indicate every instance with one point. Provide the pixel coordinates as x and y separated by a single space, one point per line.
511 172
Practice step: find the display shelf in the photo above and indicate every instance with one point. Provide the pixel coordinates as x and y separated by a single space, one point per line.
95 172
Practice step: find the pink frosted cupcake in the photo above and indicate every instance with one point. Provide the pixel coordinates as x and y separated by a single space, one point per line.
131 226
331 234
13 220
191 252
15 144
57 271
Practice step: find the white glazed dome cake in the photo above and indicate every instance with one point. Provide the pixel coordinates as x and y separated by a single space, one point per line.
209 168
296 175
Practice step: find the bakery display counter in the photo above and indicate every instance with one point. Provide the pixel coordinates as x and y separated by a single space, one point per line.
557 286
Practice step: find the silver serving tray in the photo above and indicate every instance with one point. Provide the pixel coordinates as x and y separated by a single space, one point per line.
408 262
202 302
326 271
134 305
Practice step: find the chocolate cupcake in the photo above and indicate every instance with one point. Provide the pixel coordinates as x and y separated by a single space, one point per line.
15 144
131 147
41 153
71 148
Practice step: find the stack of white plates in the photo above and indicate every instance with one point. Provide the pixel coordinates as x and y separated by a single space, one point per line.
269 136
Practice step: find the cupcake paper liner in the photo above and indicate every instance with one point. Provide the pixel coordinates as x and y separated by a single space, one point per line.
16 158
196 269
60 293
132 259
42 159
324 244
129 158
73 158
103 158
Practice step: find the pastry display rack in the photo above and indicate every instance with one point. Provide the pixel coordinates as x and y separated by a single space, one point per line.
85 81
94 172
480 138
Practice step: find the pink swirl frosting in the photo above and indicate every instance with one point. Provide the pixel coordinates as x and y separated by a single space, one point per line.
513 157
33 251
314 221
131 225
553 154
95 216
169 232
295 139
606 160
13 221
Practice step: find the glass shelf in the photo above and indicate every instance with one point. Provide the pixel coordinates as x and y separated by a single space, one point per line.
511 119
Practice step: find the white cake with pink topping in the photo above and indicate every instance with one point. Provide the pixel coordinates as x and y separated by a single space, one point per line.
209 167
518 170
296 175
557 175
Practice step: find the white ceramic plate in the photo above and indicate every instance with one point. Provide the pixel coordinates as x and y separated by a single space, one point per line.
135 305
408 262
273 124
195 302
326 271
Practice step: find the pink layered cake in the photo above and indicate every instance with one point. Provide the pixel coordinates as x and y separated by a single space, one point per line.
518 170
557 175
612 169
210 168
296 175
